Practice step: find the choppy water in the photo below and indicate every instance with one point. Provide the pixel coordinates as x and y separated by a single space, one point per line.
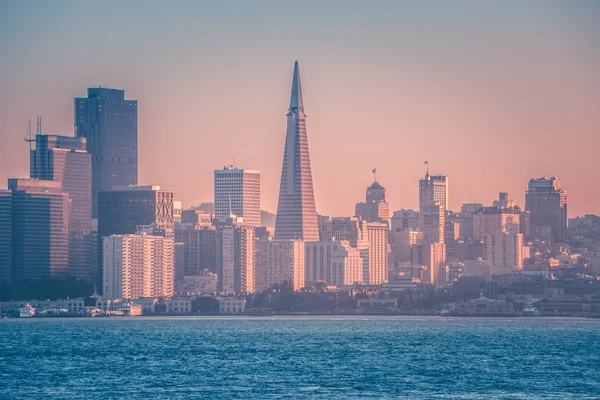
323 358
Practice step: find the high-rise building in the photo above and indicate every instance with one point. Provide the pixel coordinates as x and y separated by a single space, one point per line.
138 265
237 191
490 220
5 236
375 208
404 219
179 255
432 257
504 251
432 223
296 209
110 125
40 229
333 262
352 229
433 189
235 257
66 160
547 205
402 243
123 210
200 246
279 261
377 235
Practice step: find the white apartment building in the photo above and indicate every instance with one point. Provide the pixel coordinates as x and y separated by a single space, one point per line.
137 266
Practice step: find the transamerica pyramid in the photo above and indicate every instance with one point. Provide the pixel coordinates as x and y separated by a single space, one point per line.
296 210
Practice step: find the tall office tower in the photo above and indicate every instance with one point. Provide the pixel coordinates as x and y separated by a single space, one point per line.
432 257
138 265
375 208
110 125
490 220
377 234
333 262
433 189
432 222
504 251
200 248
403 219
296 209
123 209
196 217
451 230
402 243
279 261
237 191
236 257
65 159
40 229
547 204
5 236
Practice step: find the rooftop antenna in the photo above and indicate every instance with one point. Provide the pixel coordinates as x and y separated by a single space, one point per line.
29 140
427 164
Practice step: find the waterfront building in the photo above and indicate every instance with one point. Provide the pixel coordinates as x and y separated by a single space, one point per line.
547 205
110 125
237 191
296 209
231 305
5 236
279 261
138 265
66 160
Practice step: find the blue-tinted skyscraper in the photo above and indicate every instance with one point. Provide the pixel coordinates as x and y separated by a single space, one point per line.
109 123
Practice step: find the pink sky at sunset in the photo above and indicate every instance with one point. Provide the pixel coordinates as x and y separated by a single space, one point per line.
490 94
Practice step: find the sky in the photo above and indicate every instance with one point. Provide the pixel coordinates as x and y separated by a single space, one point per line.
489 93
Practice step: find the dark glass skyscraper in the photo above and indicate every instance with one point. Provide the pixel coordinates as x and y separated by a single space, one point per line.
109 123
5 236
547 203
40 229
65 159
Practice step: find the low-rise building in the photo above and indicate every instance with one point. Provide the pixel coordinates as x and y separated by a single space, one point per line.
230 305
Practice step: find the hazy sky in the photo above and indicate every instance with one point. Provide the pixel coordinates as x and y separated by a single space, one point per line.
491 93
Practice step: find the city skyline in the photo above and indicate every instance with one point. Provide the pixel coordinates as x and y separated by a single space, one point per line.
455 115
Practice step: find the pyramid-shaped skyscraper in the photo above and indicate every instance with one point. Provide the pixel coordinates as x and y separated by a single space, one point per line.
296 210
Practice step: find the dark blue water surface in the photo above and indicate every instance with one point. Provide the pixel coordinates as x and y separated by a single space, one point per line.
307 357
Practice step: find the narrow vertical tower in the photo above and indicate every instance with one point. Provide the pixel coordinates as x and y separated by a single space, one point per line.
296 210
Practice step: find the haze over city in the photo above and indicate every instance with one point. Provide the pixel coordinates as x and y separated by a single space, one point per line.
490 95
